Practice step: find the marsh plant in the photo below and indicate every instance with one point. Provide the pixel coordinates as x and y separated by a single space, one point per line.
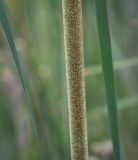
73 32
75 75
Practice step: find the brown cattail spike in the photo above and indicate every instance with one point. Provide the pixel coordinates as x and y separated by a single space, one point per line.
73 37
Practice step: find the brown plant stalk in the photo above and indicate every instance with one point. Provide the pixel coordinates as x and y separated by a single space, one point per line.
73 39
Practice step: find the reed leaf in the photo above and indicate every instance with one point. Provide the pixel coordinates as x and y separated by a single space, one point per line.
9 36
107 65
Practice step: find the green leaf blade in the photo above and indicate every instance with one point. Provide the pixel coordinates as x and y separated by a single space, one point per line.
107 65
5 23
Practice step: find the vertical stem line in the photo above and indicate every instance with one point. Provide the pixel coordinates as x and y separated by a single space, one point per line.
73 38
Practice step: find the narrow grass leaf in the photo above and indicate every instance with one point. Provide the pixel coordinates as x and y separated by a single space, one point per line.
9 36
107 65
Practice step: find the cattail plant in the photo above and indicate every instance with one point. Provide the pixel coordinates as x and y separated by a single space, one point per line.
107 65
73 37
5 23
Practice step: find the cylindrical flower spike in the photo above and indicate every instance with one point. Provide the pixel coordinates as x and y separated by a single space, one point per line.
73 38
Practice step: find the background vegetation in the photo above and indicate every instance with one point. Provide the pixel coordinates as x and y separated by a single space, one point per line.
38 31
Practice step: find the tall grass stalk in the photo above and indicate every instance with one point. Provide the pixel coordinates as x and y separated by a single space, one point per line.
73 38
107 65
